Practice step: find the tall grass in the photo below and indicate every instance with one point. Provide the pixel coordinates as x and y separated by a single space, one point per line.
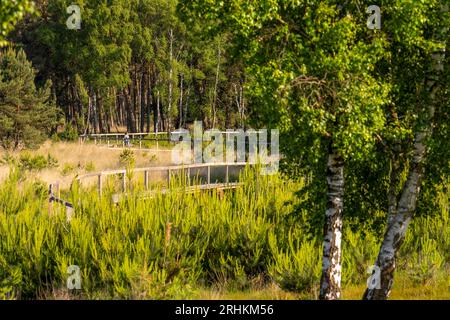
174 244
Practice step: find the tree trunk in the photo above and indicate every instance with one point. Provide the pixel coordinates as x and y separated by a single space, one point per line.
158 113
143 97
400 217
95 113
186 107
330 284
135 99
169 107
398 220
99 100
131 122
180 116
216 84
149 100
88 116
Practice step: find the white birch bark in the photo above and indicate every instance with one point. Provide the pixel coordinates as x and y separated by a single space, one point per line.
169 108
400 217
330 284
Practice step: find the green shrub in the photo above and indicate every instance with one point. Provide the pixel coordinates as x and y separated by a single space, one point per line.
8 159
70 133
90 166
298 268
67 169
127 158
167 245
27 161
423 265
359 252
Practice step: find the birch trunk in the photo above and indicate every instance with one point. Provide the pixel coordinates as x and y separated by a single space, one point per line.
398 221
169 107
400 217
330 284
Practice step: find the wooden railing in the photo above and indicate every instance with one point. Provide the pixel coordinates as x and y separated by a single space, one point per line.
118 138
52 197
169 169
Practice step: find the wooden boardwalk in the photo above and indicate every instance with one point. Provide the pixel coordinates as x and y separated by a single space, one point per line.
169 171
220 186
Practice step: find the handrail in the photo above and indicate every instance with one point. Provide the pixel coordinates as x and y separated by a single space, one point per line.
146 133
121 134
169 169
165 168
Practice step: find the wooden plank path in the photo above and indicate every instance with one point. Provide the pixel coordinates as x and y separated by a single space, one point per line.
169 170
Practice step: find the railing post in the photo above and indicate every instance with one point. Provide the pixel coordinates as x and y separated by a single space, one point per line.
189 176
58 193
50 199
146 180
168 177
209 175
124 182
226 175
100 185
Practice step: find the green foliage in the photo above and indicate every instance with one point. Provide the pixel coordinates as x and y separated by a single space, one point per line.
168 245
127 158
298 268
11 279
312 71
10 13
90 167
28 161
26 114
67 169
70 133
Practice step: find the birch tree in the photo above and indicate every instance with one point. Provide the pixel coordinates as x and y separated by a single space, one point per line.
313 76
419 71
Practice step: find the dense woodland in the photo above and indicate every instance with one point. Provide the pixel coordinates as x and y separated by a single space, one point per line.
133 64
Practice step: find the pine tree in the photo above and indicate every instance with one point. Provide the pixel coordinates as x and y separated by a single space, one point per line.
26 114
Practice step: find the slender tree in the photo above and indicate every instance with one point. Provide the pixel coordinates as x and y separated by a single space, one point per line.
27 114
312 65
419 118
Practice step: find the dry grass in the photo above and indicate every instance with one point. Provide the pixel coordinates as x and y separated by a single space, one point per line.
77 158
403 290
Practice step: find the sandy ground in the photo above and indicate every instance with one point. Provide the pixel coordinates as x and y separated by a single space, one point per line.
78 159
